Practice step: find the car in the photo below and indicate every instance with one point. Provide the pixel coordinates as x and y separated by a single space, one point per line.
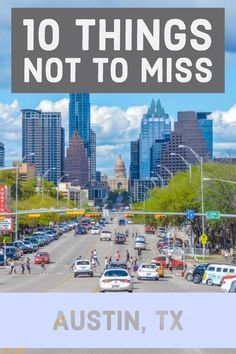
34 243
140 244
116 279
233 287
29 245
2 260
228 276
95 231
160 268
215 272
105 235
21 246
12 252
122 222
198 272
120 239
226 284
83 267
148 271
42 257
175 263
130 222
81 230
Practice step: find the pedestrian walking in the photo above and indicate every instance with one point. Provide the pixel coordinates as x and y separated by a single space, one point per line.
226 255
110 260
106 262
127 256
131 261
12 267
167 262
23 266
217 248
28 265
95 257
117 256
43 266
135 265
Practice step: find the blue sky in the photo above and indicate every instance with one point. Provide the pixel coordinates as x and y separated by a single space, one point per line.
120 111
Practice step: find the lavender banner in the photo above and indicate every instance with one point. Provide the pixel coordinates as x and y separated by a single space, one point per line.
66 320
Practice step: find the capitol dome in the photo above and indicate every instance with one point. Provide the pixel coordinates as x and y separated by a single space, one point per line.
120 170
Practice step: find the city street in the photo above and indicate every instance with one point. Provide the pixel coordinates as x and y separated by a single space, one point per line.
63 252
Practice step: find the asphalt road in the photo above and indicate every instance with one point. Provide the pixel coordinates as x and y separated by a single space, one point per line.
58 277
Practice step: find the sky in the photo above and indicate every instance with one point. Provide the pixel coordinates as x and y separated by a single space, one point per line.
116 117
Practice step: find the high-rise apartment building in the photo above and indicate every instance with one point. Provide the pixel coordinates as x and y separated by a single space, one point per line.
134 160
79 117
155 125
92 162
77 162
2 155
43 136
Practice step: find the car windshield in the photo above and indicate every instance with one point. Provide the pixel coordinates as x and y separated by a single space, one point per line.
118 265
116 273
148 266
82 262
41 254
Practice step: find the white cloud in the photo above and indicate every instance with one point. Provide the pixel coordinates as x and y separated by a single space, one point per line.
224 125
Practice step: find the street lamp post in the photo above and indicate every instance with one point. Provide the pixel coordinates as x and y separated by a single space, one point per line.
17 188
161 179
218 180
145 197
60 179
167 170
45 174
188 164
200 159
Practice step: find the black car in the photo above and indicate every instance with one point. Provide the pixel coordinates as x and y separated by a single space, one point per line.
198 272
120 239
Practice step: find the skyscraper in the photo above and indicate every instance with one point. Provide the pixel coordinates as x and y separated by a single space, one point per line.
134 160
2 155
155 125
76 161
92 162
43 135
79 117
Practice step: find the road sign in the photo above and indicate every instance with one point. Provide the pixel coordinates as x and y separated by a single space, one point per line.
190 214
204 239
212 215
6 224
34 216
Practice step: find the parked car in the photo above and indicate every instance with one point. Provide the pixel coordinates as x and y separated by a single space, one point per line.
32 243
214 273
83 267
226 284
122 222
148 271
116 279
176 264
42 256
81 230
198 272
20 245
233 287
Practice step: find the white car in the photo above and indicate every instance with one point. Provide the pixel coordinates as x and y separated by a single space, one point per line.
116 279
95 231
140 244
130 222
83 267
105 235
148 271
226 284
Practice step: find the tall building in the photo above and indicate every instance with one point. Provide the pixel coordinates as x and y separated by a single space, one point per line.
155 125
2 155
76 161
43 135
92 164
79 117
191 129
134 160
